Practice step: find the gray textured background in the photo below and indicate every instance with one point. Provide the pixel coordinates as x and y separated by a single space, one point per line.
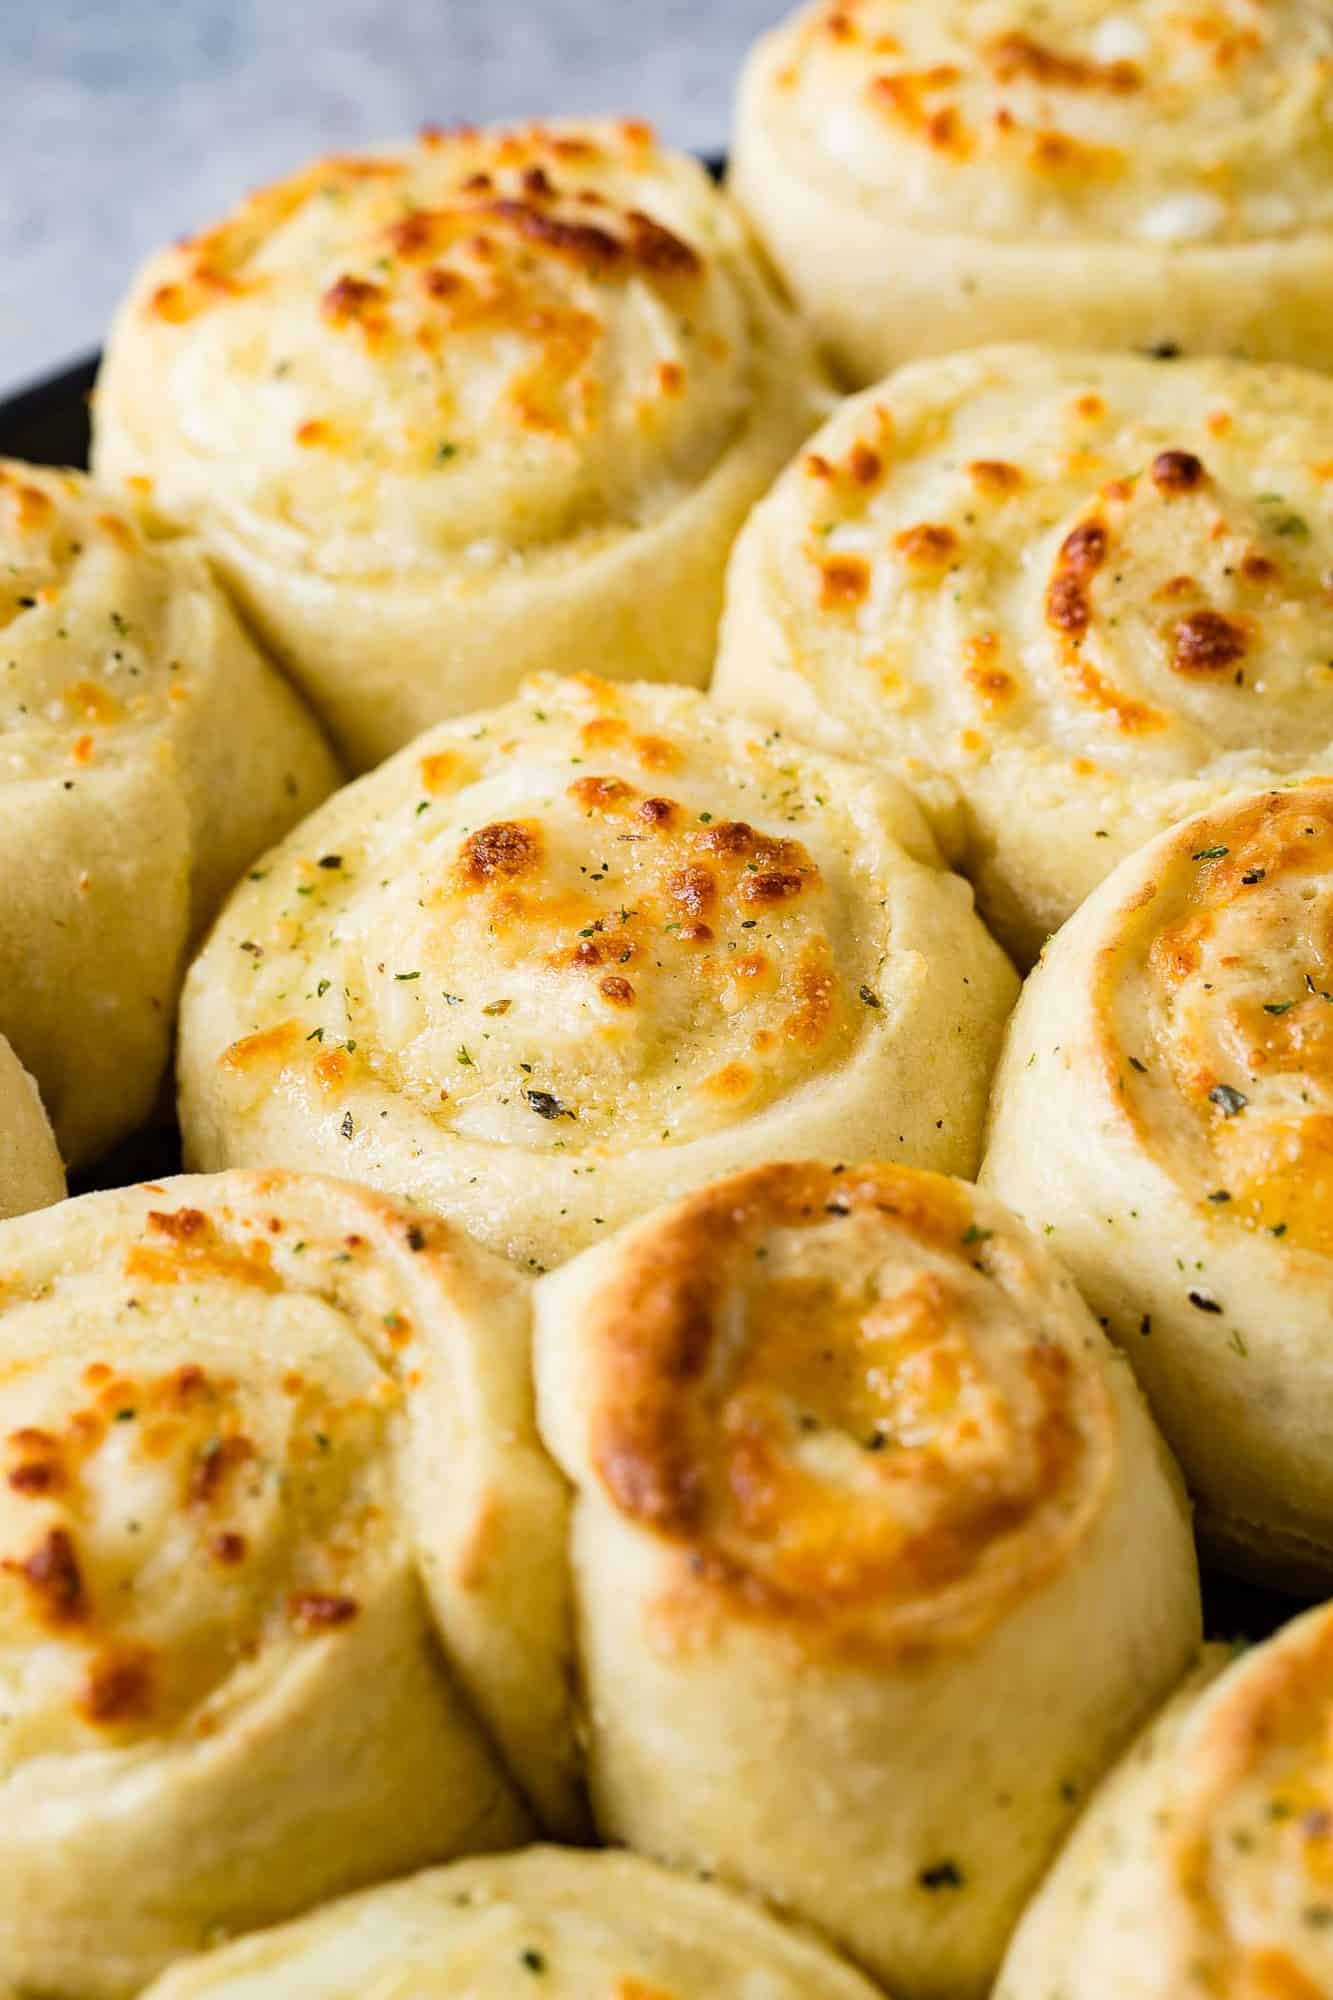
130 121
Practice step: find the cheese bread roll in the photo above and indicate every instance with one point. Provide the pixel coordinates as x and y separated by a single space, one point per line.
492 402
548 1921
147 753
1070 598
562 960
1203 1864
31 1175
878 1559
1165 1110
280 1560
927 173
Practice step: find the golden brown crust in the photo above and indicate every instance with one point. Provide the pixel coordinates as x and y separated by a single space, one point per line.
611 932
1257 1772
1080 598
1061 117
261 1435
511 194
487 403
1228 1065
835 1447
186 1422
422 326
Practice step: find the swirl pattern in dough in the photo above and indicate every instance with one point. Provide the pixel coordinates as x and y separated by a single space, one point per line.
1165 1109
1070 598
1202 1865
928 173
561 960
568 1926
147 753
490 403
878 1559
280 1560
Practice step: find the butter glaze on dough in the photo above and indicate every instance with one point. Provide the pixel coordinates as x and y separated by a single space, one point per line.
927 174
561 960
1164 1109
878 1559
450 413
1069 598
1201 1864
275 1531
147 754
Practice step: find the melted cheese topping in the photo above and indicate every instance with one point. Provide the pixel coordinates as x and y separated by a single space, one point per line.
1102 582
589 921
1077 554
1222 1004
1250 1822
848 1400
480 347
181 1515
246 1420
571 1926
95 649
1204 122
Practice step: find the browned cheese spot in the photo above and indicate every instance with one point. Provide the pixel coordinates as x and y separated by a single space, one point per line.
1207 642
502 850
1177 472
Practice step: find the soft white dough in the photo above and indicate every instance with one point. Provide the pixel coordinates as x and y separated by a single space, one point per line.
445 415
561 960
878 1558
928 174
568 1925
1163 1110
1069 598
31 1174
1201 1863
284 1606
148 752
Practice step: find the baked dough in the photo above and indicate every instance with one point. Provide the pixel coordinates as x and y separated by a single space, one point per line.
1165 1110
562 960
1202 1864
1071 598
929 173
564 1925
147 753
31 1175
493 402
274 1529
878 1558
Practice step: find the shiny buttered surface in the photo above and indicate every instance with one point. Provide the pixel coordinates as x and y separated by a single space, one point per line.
282 1597
547 1921
928 174
877 1556
1202 1866
1164 1110
447 414
147 753
562 960
31 1173
1069 598
609 1451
